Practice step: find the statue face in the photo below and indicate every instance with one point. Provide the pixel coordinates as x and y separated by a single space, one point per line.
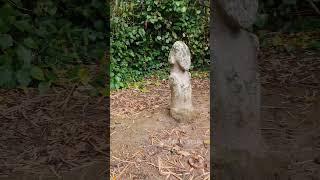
180 55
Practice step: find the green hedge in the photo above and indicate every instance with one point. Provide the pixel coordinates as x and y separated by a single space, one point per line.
144 31
39 39
288 15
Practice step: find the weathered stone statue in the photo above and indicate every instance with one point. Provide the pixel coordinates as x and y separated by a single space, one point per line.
181 108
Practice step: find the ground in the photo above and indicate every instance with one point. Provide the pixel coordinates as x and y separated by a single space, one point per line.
58 134
144 136
291 109
146 143
64 132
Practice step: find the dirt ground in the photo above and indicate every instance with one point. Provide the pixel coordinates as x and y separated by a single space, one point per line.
146 143
65 131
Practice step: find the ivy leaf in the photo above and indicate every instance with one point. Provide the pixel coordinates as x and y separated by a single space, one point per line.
23 25
52 11
37 73
99 25
24 55
183 9
30 43
4 27
7 10
5 59
51 76
96 3
261 20
17 2
6 77
43 87
6 41
23 77
142 32
83 75
105 92
315 45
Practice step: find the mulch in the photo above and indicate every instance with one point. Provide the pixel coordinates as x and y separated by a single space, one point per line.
172 153
61 130
155 94
178 152
291 111
66 128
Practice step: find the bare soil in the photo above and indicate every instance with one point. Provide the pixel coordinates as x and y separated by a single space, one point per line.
146 143
145 140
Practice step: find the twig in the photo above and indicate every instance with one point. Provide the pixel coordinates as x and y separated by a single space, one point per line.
123 160
65 102
55 172
98 149
316 9
125 168
274 107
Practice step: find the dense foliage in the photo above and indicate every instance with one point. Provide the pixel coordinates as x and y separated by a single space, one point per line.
46 42
41 39
288 15
289 25
143 32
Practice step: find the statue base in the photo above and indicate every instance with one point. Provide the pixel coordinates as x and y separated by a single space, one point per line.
183 115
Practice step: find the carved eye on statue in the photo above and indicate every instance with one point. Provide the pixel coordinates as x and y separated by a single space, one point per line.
175 49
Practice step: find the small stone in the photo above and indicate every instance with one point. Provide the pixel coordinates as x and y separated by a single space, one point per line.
207 142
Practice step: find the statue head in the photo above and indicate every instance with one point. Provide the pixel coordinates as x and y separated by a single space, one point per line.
180 55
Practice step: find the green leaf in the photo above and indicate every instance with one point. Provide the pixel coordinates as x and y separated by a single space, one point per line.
6 77
23 25
6 41
30 43
17 2
99 25
183 9
23 77
142 32
5 59
7 10
43 87
24 55
261 20
51 76
37 73
4 27
105 92
96 3
83 75
52 11
315 45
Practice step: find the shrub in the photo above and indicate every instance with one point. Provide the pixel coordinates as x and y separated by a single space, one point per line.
144 31
39 39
